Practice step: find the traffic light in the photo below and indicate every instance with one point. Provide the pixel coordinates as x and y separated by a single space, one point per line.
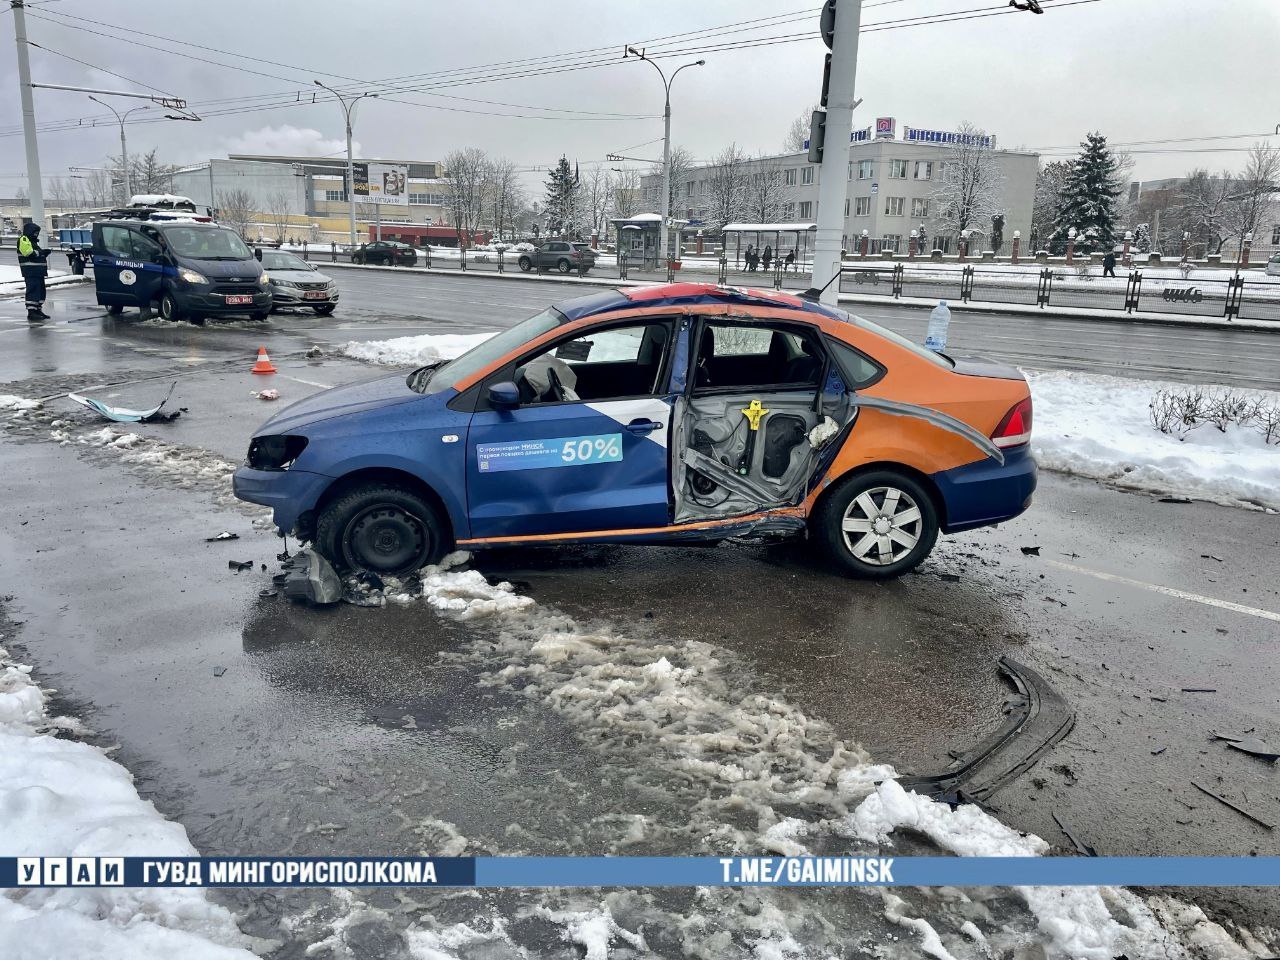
817 134
827 23
826 80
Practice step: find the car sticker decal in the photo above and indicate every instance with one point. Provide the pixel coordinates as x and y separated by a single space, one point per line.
643 408
549 452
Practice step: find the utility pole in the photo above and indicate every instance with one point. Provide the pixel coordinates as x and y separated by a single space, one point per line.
124 148
833 186
348 109
35 186
665 227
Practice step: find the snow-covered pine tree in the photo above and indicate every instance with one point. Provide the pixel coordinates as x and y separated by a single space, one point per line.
1087 200
562 195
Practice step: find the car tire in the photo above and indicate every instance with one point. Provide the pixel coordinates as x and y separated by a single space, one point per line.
169 309
77 267
564 266
325 309
381 529
260 315
877 525
115 309
358 260
526 264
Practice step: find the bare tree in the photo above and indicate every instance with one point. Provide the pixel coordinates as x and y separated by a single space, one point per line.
503 194
798 133
968 193
597 199
1044 210
766 194
279 205
626 193
727 185
1206 201
682 163
465 171
1253 201
147 174
235 209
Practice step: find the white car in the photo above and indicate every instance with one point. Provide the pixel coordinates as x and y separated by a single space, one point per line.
1273 266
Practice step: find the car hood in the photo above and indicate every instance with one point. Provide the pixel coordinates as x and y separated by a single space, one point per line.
338 402
241 270
299 276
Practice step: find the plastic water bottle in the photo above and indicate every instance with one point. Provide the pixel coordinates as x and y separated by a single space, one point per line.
939 320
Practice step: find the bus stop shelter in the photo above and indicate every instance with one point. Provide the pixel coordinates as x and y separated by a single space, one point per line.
782 238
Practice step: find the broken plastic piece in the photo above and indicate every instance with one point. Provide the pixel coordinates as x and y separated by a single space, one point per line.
125 415
1250 745
238 565
310 578
271 394
224 535
1030 551
1081 847
1240 810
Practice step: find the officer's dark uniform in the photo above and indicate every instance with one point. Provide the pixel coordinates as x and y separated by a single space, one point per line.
31 259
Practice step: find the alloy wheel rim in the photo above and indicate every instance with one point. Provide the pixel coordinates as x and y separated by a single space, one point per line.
882 525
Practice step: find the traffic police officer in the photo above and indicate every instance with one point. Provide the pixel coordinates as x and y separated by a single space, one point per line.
31 259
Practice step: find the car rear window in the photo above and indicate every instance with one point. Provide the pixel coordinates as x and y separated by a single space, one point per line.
939 359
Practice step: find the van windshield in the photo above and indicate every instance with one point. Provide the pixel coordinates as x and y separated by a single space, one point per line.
206 243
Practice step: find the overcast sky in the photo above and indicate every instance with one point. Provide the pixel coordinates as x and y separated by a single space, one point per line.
1133 69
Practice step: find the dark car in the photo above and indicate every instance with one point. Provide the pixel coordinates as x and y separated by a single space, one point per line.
559 255
389 253
184 268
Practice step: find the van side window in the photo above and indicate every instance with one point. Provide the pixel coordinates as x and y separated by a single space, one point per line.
144 248
116 242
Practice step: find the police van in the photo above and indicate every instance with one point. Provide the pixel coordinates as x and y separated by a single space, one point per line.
178 263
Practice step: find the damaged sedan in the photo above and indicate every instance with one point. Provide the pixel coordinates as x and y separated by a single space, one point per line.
669 414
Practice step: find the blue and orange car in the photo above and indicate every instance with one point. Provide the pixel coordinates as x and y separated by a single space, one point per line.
667 414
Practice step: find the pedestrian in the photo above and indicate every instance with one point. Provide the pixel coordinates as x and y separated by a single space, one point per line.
1109 264
31 260
768 255
749 256
791 259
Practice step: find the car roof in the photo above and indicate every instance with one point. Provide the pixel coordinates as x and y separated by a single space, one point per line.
689 294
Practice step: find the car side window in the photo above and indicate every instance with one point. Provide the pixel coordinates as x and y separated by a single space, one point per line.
144 248
601 365
115 240
747 356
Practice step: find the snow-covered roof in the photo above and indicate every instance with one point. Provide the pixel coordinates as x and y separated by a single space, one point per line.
159 200
640 218
767 227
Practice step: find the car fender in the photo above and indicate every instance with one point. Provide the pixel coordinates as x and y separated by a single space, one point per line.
439 476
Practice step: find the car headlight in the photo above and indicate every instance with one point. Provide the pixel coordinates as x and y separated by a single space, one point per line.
190 276
265 279
275 452
284 283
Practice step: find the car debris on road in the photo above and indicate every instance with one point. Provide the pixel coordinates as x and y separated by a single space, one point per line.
124 414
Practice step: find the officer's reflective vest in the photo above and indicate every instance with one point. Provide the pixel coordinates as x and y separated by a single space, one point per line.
28 252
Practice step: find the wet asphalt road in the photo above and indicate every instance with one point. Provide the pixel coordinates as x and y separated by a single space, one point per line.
269 728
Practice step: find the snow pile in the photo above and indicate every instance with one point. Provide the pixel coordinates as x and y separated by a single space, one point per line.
1099 426
415 351
65 798
11 404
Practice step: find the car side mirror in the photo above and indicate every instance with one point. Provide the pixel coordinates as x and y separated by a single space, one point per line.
257 254
504 395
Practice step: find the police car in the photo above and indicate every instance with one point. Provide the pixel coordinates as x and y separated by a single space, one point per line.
667 414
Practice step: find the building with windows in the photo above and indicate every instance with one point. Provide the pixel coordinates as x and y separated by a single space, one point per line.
894 185
311 191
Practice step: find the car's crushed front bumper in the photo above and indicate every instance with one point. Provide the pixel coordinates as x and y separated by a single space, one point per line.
289 493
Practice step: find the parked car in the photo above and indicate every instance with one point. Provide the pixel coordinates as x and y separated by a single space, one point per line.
558 255
1273 266
678 413
184 268
390 253
296 283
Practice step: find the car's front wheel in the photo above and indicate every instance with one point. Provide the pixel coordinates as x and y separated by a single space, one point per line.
526 264
877 525
169 309
380 528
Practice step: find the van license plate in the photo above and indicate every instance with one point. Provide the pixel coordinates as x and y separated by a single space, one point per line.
232 301
315 295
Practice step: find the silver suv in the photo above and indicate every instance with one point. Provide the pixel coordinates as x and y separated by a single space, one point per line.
559 255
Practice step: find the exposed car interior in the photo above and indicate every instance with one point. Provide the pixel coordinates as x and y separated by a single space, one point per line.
751 433
603 365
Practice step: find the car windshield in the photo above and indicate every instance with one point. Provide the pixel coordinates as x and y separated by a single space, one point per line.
941 359
481 355
206 243
275 260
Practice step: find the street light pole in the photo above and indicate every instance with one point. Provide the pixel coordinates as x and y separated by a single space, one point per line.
35 186
124 148
348 110
666 145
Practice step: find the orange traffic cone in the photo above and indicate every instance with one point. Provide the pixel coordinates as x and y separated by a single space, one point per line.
264 364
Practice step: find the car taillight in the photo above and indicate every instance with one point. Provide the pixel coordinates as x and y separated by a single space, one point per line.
1015 428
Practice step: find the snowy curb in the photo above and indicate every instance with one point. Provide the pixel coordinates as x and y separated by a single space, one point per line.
514 274
8 290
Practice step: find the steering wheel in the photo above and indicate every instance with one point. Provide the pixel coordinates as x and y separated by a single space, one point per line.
556 388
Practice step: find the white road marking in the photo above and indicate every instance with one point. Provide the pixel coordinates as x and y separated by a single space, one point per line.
1167 591
309 383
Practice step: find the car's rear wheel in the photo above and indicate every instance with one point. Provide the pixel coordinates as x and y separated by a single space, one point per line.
564 266
358 260
526 264
877 525
380 528
325 309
